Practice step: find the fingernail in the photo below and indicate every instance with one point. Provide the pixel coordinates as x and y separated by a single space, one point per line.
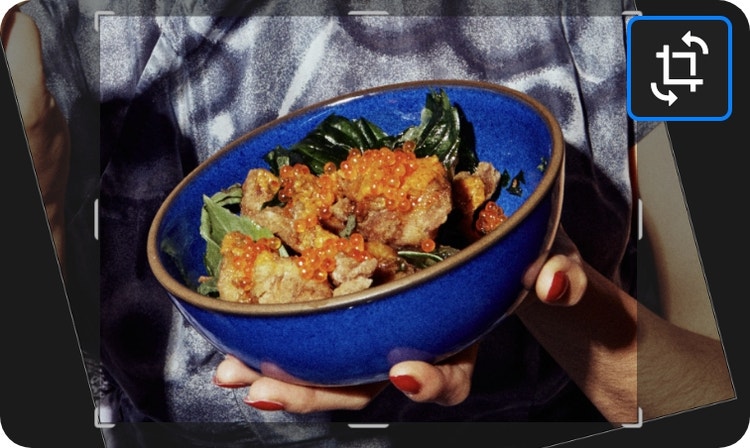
406 383
558 287
228 385
265 405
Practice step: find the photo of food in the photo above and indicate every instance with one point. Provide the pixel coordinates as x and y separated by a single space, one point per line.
345 244
278 223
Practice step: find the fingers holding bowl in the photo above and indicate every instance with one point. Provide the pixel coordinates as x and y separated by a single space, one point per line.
232 373
269 394
447 383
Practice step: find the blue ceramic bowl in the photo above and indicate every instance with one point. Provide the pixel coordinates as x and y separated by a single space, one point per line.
427 316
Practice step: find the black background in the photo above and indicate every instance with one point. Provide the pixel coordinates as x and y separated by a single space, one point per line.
45 400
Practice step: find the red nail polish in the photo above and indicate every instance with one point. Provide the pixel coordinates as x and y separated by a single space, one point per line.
228 385
264 405
406 383
558 287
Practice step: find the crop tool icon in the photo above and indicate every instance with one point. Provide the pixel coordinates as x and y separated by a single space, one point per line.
679 68
691 56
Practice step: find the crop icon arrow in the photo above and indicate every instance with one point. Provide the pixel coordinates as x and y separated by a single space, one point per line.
669 97
689 39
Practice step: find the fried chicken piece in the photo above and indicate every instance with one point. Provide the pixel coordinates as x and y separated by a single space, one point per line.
341 211
304 197
352 274
349 269
400 199
282 224
306 201
470 192
352 286
279 280
254 272
259 187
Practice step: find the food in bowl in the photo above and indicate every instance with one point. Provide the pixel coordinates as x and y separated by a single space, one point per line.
428 315
350 207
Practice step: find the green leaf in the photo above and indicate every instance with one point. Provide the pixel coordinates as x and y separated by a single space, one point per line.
279 157
504 179
372 135
229 196
208 287
439 133
351 224
217 221
330 141
422 260
418 259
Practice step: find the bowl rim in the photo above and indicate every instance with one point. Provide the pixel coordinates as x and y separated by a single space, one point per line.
552 178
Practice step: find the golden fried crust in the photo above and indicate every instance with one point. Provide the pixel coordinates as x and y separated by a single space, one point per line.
259 187
470 191
429 192
278 280
271 279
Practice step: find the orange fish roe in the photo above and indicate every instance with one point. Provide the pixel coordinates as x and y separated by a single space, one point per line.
428 245
241 251
490 217
381 173
313 195
316 263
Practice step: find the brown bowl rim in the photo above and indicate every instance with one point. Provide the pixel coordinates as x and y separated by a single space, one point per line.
552 173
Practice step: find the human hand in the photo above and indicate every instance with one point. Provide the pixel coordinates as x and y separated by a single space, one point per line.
588 325
446 383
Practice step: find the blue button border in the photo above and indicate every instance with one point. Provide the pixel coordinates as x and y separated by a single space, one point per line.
729 68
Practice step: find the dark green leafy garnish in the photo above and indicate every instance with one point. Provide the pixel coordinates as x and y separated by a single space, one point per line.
422 260
512 185
504 179
208 287
439 134
351 224
515 184
330 141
